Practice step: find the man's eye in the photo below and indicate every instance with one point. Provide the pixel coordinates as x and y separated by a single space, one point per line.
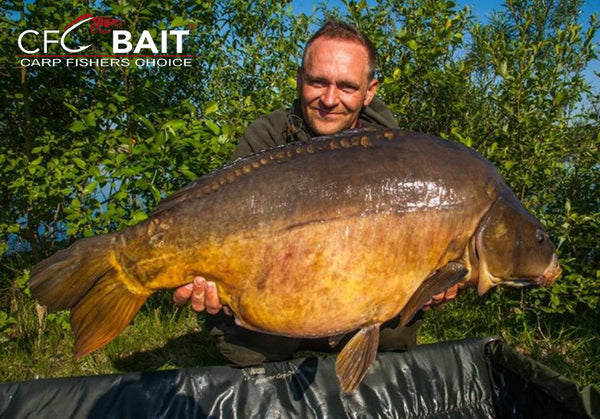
317 82
348 88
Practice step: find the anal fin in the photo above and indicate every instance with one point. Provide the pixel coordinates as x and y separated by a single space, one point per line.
355 359
444 278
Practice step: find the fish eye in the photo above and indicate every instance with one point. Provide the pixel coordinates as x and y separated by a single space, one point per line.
540 236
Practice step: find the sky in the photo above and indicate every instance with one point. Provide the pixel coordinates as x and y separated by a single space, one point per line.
482 10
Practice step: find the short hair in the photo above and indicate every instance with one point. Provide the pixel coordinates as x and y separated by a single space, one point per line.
335 29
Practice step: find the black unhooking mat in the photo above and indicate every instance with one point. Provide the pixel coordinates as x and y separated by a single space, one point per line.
473 378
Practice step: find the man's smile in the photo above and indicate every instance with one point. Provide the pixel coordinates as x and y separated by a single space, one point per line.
327 113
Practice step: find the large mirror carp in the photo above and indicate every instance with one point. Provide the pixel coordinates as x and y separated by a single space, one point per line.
312 240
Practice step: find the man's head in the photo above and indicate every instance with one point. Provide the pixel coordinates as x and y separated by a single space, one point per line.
336 78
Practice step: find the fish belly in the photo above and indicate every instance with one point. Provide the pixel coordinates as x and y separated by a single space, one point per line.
324 278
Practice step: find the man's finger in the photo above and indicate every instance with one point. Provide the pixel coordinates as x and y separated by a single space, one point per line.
451 292
438 297
182 294
213 304
198 294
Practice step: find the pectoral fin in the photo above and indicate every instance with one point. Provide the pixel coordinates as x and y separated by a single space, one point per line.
356 358
444 278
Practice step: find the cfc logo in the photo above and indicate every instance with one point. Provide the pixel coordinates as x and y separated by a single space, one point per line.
122 42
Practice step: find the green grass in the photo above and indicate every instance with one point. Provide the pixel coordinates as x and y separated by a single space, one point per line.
39 345
566 343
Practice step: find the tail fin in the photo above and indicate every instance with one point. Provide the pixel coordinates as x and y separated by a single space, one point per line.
85 279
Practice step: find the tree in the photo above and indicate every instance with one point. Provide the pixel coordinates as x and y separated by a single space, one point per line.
92 148
529 64
420 44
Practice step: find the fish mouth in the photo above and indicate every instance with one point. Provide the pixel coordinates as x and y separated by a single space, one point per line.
494 281
551 273
488 281
513 283
546 279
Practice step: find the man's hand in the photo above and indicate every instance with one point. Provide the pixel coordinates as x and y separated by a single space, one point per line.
443 297
201 293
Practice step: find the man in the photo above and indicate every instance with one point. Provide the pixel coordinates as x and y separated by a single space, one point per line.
336 91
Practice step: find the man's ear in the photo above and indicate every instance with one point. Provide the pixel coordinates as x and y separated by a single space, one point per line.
371 91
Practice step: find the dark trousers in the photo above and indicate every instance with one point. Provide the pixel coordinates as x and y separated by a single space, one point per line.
245 347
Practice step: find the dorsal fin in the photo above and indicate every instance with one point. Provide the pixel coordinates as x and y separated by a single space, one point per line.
212 182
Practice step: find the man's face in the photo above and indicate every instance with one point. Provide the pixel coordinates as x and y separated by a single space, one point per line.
333 85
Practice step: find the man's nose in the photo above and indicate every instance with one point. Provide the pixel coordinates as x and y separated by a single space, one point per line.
330 96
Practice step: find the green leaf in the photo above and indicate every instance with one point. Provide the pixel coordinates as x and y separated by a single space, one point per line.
90 188
147 123
176 124
71 107
503 69
36 162
77 126
212 126
189 174
412 45
210 108
79 162
121 157
138 216
90 119
95 171
178 21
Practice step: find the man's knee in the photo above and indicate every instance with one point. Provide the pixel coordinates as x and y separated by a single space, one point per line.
245 347
394 337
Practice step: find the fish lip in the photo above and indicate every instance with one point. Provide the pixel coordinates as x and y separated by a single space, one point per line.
513 282
521 282
552 272
548 278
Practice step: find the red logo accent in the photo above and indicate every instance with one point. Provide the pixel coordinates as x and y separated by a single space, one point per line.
99 24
